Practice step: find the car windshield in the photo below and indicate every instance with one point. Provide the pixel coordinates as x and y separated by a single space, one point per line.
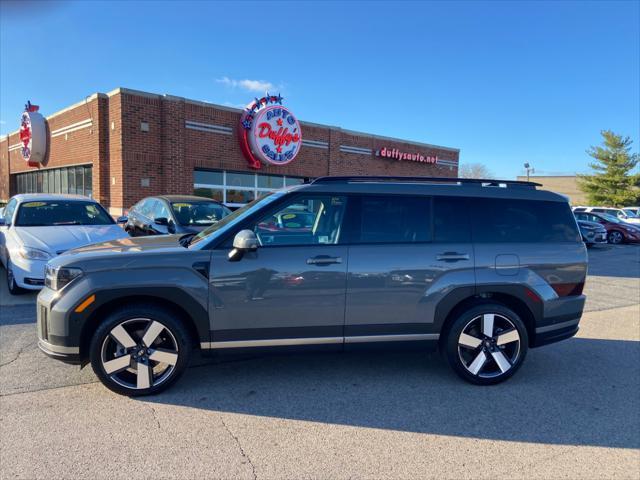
52 213
611 218
236 216
199 213
629 213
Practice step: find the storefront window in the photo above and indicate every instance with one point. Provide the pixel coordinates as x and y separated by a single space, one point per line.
208 178
74 180
234 189
241 179
213 193
270 181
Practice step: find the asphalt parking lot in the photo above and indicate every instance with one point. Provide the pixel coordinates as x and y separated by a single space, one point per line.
573 410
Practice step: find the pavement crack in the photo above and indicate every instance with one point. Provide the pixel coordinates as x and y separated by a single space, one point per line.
155 416
17 354
242 452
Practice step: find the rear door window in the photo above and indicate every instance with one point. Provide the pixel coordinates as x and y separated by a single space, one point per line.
451 220
526 221
393 219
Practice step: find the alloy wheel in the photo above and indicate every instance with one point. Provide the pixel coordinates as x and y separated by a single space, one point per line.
615 237
139 353
489 345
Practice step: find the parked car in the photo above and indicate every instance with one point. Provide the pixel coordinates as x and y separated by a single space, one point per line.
632 211
37 227
617 230
484 271
170 214
619 213
592 232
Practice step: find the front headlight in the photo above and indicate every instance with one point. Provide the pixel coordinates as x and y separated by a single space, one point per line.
29 253
58 277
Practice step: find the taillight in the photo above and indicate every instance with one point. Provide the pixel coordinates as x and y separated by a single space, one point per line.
568 289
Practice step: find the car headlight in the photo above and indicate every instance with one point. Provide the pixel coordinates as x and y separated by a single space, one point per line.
29 253
57 278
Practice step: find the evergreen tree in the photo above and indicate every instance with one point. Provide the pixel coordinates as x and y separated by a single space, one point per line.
613 183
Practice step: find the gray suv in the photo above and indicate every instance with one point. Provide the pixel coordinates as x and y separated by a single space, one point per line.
482 269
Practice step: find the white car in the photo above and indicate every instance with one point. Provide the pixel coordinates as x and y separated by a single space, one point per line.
35 228
625 216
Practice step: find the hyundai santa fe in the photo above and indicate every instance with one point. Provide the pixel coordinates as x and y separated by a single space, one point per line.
482 270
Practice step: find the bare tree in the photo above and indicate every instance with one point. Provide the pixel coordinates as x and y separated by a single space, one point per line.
474 170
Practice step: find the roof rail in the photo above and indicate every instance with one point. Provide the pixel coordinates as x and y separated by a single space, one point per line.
437 180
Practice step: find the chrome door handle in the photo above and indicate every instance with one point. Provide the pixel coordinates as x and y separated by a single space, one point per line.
323 260
452 257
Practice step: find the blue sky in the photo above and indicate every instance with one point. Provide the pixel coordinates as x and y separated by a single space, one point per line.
506 82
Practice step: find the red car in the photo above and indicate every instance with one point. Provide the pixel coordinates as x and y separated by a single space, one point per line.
617 230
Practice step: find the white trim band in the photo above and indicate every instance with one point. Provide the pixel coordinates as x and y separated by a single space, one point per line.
358 150
315 144
15 146
208 127
72 128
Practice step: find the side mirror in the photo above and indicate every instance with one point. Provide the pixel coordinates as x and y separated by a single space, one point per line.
162 221
244 241
122 219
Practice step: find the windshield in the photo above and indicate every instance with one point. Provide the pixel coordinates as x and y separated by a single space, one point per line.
61 212
236 216
199 213
611 218
629 212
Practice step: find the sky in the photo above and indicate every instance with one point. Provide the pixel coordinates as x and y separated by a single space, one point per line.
505 82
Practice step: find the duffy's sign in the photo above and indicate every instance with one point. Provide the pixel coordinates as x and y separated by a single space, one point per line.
269 133
33 135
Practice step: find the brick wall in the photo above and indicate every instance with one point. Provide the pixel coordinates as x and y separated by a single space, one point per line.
137 139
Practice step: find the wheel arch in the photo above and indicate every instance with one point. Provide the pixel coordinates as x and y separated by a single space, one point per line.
189 311
520 299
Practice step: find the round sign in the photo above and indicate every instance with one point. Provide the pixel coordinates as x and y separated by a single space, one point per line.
270 134
33 136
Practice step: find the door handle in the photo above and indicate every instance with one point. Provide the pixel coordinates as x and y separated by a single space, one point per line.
452 257
323 260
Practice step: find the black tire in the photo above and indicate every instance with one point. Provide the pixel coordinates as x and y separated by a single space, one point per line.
464 358
137 320
615 237
12 286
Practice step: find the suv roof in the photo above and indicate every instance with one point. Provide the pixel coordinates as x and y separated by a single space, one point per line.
30 197
432 186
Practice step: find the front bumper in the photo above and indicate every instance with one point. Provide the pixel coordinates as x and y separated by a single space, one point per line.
29 274
56 334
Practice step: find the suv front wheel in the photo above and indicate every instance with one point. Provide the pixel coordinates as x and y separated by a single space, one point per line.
486 344
140 350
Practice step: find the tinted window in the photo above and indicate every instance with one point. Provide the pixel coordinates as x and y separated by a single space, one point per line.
496 220
51 213
303 221
160 210
394 219
199 213
451 220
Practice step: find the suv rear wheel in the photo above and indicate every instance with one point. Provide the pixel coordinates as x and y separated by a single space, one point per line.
140 350
486 344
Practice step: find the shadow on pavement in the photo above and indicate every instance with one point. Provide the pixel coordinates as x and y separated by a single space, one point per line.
576 393
622 261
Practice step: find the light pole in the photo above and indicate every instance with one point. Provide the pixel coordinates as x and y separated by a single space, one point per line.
529 169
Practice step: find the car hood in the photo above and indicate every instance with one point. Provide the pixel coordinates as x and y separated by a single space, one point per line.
131 245
60 238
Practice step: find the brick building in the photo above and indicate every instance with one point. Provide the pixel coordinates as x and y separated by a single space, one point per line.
124 145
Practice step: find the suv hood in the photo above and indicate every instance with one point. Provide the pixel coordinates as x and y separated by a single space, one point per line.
130 245
60 238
